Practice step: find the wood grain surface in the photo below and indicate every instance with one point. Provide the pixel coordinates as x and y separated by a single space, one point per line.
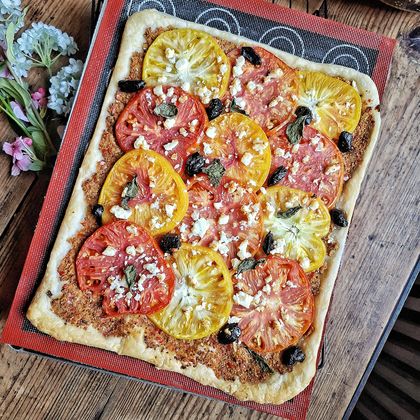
381 251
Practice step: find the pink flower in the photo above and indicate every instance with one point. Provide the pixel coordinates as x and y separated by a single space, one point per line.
39 98
18 111
21 152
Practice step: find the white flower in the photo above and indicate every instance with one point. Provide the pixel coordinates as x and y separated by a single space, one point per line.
42 39
63 86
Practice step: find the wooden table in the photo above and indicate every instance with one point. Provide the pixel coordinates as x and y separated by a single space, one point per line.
382 250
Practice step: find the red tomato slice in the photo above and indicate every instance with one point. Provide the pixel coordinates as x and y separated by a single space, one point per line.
266 92
139 127
121 246
274 304
314 165
226 219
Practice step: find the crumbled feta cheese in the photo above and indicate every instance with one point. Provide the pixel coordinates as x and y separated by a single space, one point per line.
279 246
185 86
200 227
305 263
109 251
169 209
243 299
223 68
132 229
211 132
251 85
169 123
223 219
332 169
240 102
295 148
183 132
152 268
119 212
171 145
169 53
157 90
246 158
235 263
243 253
131 250
295 167
218 206
235 87
314 205
306 159
141 143
207 149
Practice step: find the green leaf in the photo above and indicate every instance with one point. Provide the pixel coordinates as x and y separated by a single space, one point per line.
261 362
37 165
38 142
294 130
130 191
166 110
10 37
215 172
246 264
288 213
130 275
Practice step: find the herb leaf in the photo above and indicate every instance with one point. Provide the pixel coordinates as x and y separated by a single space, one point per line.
215 172
235 108
294 130
288 213
260 361
130 275
249 264
130 191
166 110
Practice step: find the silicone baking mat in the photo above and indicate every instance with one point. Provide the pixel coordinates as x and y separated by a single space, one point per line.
307 36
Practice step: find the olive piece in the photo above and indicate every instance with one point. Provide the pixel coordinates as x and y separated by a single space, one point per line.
304 111
97 211
229 333
169 242
250 55
214 109
338 217
195 164
344 141
268 243
131 86
292 355
277 176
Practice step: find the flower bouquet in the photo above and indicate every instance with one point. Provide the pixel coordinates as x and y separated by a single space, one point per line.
30 111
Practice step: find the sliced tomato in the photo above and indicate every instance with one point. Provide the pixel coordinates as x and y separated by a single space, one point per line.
266 92
335 104
188 58
122 262
138 126
274 304
202 299
315 164
160 199
242 147
298 222
226 218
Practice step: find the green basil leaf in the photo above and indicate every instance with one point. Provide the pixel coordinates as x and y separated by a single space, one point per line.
294 130
166 110
260 361
130 275
288 213
215 171
246 264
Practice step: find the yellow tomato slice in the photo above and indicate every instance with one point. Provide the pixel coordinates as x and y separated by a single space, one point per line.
160 200
242 147
298 222
190 59
202 299
335 104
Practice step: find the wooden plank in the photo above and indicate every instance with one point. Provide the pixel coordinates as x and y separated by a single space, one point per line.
413 303
309 6
408 328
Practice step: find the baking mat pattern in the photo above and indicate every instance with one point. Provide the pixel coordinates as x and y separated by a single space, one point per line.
310 37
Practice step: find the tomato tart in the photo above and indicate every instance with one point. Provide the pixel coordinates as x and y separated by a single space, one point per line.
208 220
